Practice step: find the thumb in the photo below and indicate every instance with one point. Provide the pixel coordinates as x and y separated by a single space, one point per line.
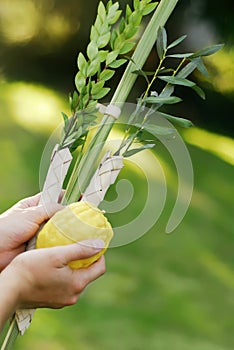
81 250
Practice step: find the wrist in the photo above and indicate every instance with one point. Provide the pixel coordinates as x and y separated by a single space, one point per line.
8 296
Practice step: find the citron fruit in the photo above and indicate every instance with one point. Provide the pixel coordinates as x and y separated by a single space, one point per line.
76 222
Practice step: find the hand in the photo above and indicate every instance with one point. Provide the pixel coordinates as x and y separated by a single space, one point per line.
42 278
19 224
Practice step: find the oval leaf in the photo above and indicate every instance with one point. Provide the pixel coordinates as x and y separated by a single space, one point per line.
133 151
207 51
201 66
199 91
80 81
158 130
97 87
162 100
161 43
111 57
177 81
149 8
118 63
93 68
185 123
102 93
188 69
102 11
103 40
127 47
92 50
107 74
177 42
82 63
181 55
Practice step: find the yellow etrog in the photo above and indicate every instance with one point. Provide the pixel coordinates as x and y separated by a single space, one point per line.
76 222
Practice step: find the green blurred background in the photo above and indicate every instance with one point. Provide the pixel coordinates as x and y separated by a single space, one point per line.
161 292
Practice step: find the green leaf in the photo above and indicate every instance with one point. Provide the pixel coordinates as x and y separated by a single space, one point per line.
131 152
70 101
79 120
102 93
98 24
112 19
165 70
109 4
93 68
102 11
104 29
207 51
177 42
82 63
90 119
118 63
149 8
181 55
111 57
162 100
161 43
130 31
122 25
94 35
135 19
75 99
136 4
185 123
103 40
128 11
201 66
127 47
107 74
91 107
114 36
97 87
199 91
149 73
129 139
80 81
157 130
112 13
85 99
65 118
188 69
177 81
141 73
92 50
102 55
76 144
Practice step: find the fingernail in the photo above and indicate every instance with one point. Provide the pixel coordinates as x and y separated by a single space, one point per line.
95 243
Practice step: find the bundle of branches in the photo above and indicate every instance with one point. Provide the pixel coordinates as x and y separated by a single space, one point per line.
112 45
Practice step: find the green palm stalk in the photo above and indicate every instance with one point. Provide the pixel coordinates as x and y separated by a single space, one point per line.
84 102
84 168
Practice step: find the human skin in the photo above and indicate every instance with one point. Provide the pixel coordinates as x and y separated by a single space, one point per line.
40 278
19 224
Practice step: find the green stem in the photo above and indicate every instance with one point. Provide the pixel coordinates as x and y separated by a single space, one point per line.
86 167
154 77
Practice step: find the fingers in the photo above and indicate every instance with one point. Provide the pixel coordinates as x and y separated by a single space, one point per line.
81 250
29 201
41 213
82 277
34 200
94 271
